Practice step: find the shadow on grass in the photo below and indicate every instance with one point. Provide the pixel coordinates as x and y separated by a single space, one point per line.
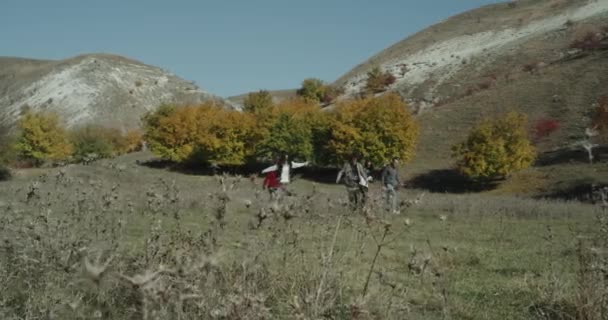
585 190
5 173
449 181
563 156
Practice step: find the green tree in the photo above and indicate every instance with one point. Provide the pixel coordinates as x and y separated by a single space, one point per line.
258 102
42 138
495 148
312 90
288 135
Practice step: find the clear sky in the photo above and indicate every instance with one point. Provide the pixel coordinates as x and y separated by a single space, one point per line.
227 47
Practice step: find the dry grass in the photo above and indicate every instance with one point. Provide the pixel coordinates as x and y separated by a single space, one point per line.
119 241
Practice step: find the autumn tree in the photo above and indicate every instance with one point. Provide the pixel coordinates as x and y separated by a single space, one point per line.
495 148
202 134
42 138
378 128
378 81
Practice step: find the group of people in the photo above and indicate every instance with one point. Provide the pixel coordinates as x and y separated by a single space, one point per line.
355 176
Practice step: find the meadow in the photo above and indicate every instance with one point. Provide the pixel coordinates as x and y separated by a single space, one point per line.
119 240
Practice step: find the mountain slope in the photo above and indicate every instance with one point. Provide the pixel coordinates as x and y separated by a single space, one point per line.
105 89
547 59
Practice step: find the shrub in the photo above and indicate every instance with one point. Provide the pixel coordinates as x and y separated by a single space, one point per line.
258 102
378 81
91 139
133 141
544 128
591 40
495 148
103 142
7 146
205 133
42 138
378 128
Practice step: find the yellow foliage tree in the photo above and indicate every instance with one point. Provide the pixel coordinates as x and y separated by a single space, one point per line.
205 133
377 128
496 148
42 138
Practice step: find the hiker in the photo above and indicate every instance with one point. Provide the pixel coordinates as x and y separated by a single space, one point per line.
355 179
390 184
281 171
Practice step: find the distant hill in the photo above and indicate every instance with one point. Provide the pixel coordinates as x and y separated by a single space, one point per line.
99 88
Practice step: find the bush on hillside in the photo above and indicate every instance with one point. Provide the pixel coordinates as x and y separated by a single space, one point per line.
377 128
495 148
378 81
42 138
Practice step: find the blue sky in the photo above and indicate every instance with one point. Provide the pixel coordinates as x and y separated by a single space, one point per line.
226 47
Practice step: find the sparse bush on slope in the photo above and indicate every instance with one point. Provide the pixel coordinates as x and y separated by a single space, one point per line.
496 148
378 81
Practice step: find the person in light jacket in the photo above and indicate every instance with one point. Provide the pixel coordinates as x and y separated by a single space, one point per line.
281 171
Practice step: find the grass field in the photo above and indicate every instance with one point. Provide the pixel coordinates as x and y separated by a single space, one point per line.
116 240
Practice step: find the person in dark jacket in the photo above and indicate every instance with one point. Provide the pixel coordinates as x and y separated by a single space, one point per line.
354 176
390 184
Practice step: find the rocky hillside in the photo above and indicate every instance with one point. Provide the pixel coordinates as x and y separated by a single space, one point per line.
100 88
546 58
